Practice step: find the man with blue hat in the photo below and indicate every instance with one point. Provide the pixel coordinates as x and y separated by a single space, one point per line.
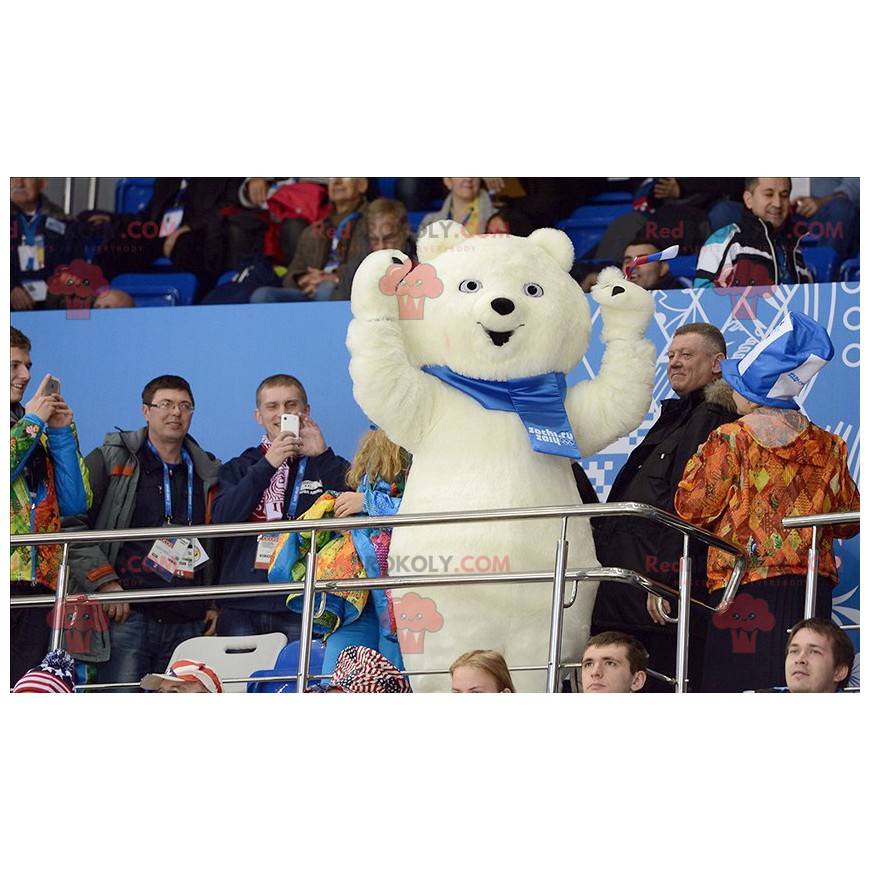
770 464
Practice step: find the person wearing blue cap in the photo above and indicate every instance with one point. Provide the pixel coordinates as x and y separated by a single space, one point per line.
770 464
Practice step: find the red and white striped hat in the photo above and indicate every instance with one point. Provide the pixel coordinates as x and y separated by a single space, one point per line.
184 671
55 675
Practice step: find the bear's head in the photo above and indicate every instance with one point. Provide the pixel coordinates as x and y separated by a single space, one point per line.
495 306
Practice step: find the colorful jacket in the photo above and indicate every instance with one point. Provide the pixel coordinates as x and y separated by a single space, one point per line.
362 553
63 490
741 490
746 254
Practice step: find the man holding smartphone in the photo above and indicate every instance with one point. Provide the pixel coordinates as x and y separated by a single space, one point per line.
49 480
280 478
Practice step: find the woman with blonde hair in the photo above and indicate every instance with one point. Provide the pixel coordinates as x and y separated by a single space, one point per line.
361 618
481 671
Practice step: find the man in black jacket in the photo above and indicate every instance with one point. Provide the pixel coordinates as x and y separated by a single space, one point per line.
650 475
280 478
185 222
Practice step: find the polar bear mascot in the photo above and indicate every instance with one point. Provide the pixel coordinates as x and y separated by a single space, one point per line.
461 359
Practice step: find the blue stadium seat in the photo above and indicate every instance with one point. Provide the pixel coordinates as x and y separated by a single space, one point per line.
851 270
414 218
588 223
287 664
599 215
158 289
387 187
822 261
684 267
133 194
612 196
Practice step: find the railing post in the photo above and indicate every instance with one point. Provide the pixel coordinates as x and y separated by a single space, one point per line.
67 195
307 616
682 675
93 185
812 575
57 618
555 653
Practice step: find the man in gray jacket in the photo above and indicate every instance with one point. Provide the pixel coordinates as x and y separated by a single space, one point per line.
155 476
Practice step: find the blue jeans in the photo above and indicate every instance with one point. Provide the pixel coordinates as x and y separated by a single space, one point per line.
235 622
293 294
365 631
142 645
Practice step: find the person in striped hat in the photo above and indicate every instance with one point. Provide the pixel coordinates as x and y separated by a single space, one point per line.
185 676
360 669
770 464
54 675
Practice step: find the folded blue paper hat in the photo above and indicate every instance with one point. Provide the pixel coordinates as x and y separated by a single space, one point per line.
778 368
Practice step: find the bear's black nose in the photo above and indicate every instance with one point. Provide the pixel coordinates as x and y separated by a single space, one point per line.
616 290
502 306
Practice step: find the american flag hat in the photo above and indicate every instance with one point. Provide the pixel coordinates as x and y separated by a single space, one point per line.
184 671
56 675
360 669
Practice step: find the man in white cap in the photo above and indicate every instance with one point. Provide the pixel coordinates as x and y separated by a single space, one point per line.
184 676
770 464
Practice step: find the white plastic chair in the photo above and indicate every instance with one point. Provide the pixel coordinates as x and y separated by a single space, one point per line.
232 657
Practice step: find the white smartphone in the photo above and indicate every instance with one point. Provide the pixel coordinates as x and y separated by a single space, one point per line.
290 423
52 387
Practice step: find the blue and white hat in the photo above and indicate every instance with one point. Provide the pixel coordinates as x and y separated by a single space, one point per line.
778 368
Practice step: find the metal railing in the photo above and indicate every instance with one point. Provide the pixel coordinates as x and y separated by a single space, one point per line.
310 587
69 191
815 521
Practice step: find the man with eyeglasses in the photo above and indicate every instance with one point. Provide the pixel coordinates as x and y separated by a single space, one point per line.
155 476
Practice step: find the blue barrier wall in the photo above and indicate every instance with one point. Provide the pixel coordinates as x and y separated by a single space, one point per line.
225 351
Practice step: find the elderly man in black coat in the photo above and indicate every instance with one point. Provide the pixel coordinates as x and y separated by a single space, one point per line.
651 475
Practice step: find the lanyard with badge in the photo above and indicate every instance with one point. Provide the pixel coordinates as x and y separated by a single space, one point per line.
31 253
173 217
333 263
267 542
175 557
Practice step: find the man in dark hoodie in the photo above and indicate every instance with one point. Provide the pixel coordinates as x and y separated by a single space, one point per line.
155 476
280 478
650 475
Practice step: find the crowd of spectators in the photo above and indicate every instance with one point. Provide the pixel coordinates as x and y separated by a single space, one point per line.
734 430
296 240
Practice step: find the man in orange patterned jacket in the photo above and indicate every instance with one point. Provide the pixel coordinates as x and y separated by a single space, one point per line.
770 464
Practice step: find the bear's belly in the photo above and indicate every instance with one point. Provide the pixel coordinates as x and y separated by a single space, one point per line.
483 460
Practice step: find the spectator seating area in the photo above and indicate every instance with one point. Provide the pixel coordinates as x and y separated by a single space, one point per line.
162 285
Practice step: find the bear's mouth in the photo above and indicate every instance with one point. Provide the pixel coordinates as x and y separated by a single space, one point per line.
499 338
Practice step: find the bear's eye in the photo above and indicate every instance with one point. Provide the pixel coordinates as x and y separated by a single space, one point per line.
469 285
533 290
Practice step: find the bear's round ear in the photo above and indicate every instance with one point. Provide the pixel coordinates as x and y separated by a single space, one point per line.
556 244
438 237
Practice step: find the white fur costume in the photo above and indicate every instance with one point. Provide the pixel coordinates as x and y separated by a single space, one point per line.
466 457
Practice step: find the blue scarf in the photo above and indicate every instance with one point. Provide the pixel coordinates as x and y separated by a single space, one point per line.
539 400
